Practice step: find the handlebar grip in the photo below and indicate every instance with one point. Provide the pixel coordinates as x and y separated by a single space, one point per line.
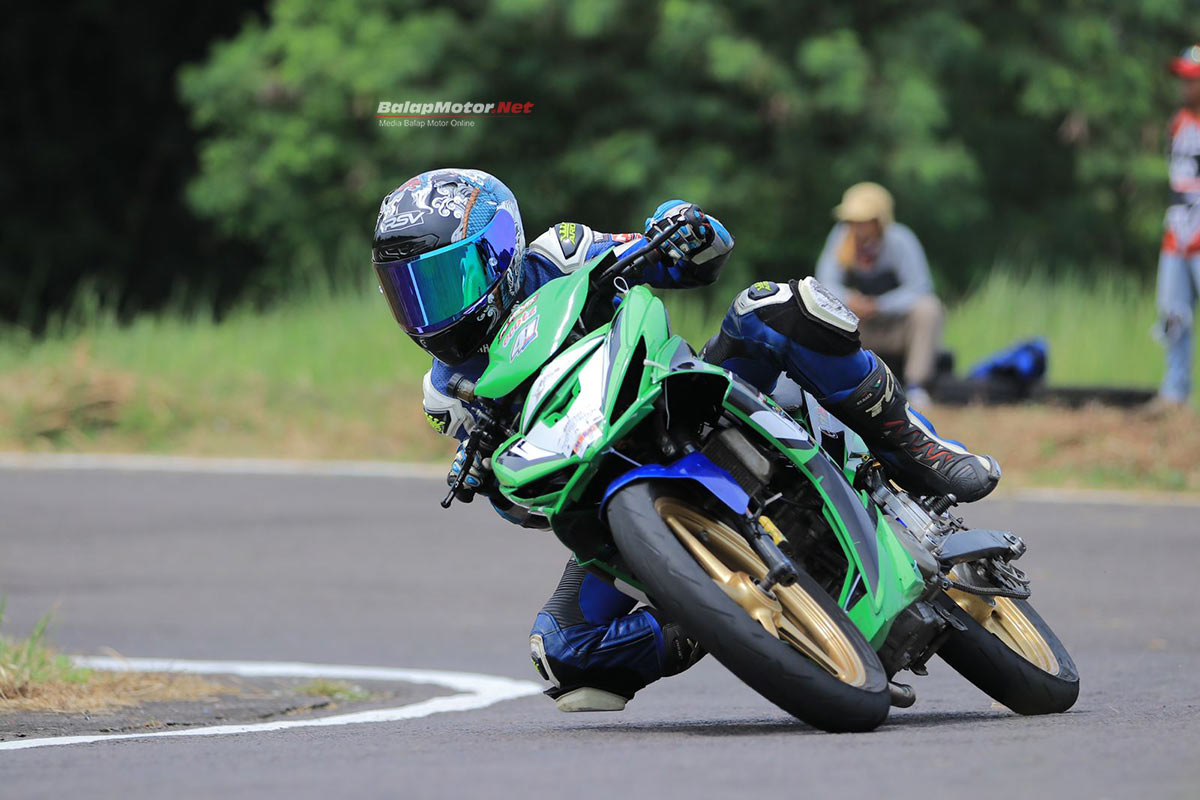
462 387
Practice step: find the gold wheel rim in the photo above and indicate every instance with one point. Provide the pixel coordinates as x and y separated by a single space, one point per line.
1005 620
792 615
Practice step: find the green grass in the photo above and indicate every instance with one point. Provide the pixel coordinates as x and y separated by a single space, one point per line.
342 340
335 690
29 662
299 367
335 376
1098 330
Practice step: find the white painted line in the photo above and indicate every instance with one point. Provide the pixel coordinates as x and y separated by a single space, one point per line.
224 466
477 691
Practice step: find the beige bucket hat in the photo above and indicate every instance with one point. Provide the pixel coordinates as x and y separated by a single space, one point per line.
866 201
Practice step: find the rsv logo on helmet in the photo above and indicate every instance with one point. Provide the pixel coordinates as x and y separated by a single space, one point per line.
401 220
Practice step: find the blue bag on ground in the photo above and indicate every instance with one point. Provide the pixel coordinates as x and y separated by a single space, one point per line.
1023 363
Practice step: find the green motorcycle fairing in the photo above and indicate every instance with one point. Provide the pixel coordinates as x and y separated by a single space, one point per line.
526 340
590 395
882 567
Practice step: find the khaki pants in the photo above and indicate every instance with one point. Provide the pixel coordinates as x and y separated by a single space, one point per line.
915 336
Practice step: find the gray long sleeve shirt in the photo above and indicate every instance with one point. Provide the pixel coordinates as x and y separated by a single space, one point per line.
897 280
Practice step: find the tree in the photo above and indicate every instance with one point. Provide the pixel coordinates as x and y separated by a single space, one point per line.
1022 129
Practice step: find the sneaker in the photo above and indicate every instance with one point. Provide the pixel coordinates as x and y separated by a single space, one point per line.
907 444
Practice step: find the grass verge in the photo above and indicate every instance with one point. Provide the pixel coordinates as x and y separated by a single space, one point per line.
334 377
33 677
339 691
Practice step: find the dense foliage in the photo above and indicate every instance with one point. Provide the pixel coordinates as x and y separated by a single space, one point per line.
1023 129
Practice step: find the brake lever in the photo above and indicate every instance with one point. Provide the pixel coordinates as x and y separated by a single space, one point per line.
488 431
468 462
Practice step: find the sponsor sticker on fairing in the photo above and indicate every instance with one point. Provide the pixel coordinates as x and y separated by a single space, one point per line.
525 337
580 430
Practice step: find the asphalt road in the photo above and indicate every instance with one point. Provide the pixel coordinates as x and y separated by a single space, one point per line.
370 571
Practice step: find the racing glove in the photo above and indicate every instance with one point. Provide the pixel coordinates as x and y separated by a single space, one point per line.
478 471
695 243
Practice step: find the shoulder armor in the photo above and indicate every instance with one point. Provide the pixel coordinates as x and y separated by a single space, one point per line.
763 293
566 245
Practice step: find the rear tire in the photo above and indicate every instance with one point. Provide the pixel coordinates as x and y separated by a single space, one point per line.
687 594
1043 682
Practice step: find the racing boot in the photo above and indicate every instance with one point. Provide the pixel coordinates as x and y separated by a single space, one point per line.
906 443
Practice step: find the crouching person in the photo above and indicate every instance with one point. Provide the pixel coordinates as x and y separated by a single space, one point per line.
877 267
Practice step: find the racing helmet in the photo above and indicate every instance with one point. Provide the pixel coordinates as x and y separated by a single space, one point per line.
447 250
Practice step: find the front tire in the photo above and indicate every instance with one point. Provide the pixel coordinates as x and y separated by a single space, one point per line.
654 528
1010 653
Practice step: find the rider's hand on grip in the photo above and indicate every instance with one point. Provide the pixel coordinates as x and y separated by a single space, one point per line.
476 473
695 234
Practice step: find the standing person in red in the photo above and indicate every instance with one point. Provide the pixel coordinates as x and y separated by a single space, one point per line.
1179 261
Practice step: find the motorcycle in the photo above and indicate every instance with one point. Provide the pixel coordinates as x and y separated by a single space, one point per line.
760 524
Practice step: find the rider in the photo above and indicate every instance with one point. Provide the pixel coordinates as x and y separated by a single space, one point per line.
449 252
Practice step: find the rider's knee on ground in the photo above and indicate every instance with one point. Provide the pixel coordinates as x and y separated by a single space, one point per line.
580 656
588 635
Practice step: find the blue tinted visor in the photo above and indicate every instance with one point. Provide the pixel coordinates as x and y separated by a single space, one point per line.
433 290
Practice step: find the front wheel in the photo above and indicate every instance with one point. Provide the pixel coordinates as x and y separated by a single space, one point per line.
798 649
1008 651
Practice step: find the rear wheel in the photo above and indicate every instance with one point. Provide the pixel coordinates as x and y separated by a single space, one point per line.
797 648
1010 653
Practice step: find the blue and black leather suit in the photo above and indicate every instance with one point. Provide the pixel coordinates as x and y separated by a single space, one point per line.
588 633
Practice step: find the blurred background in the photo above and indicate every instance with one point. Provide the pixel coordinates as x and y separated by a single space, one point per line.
192 189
